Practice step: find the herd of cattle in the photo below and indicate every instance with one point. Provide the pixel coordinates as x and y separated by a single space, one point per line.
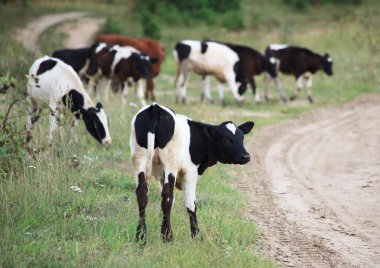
170 147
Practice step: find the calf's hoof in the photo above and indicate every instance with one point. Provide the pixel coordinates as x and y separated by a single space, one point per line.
223 103
284 100
310 98
167 235
293 97
141 233
240 103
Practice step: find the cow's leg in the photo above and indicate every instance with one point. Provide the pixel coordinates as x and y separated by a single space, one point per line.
107 89
140 92
280 89
189 188
34 115
142 200
299 86
124 93
255 90
149 95
52 120
206 94
221 94
308 85
166 205
181 82
233 86
267 80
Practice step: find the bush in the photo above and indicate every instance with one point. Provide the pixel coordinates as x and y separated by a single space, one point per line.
12 129
233 21
112 26
151 27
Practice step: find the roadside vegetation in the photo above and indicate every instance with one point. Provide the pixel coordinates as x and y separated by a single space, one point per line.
44 223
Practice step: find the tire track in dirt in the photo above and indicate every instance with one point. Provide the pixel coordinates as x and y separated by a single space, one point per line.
314 187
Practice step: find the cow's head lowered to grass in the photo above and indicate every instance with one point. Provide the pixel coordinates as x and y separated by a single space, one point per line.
176 150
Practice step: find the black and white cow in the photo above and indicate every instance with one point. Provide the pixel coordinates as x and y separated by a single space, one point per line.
176 150
207 58
51 82
78 59
119 65
300 62
253 63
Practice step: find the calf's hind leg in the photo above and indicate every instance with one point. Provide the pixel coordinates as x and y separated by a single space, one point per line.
142 200
166 206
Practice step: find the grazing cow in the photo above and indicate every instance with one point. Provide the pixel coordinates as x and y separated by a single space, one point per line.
300 62
207 58
253 63
176 150
148 47
52 81
120 65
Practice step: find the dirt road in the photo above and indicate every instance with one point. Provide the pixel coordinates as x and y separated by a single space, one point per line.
314 188
79 28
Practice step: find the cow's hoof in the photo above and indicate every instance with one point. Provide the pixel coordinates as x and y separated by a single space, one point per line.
223 103
266 98
284 100
293 97
240 103
311 100
183 100
167 236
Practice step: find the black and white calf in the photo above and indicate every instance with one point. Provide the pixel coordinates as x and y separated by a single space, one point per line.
253 63
51 82
300 62
176 150
207 58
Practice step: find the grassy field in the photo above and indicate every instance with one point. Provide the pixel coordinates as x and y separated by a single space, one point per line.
44 223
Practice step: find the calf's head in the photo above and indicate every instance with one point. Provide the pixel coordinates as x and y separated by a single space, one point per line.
143 63
228 142
327 64
95 119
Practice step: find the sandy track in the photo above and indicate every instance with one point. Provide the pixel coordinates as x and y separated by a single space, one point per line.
314 188
80 31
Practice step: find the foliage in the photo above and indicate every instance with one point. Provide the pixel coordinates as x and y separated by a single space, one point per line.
112 26
303 4
12 145
233 21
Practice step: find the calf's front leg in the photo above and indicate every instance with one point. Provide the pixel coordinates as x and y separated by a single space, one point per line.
189 198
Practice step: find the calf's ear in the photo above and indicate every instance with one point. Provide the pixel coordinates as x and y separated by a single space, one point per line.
246 127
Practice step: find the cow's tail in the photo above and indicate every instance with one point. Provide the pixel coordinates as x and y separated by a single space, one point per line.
151 136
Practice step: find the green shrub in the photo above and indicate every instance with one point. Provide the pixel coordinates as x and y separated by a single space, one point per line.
112 26
151 27
233 21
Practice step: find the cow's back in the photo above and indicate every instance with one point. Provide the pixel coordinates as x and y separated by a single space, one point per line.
51 83
148 47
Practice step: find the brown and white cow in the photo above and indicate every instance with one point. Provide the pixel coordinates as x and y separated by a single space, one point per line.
148 47
300 62
120 65
176 151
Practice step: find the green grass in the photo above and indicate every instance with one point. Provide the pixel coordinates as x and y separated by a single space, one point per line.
44 223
